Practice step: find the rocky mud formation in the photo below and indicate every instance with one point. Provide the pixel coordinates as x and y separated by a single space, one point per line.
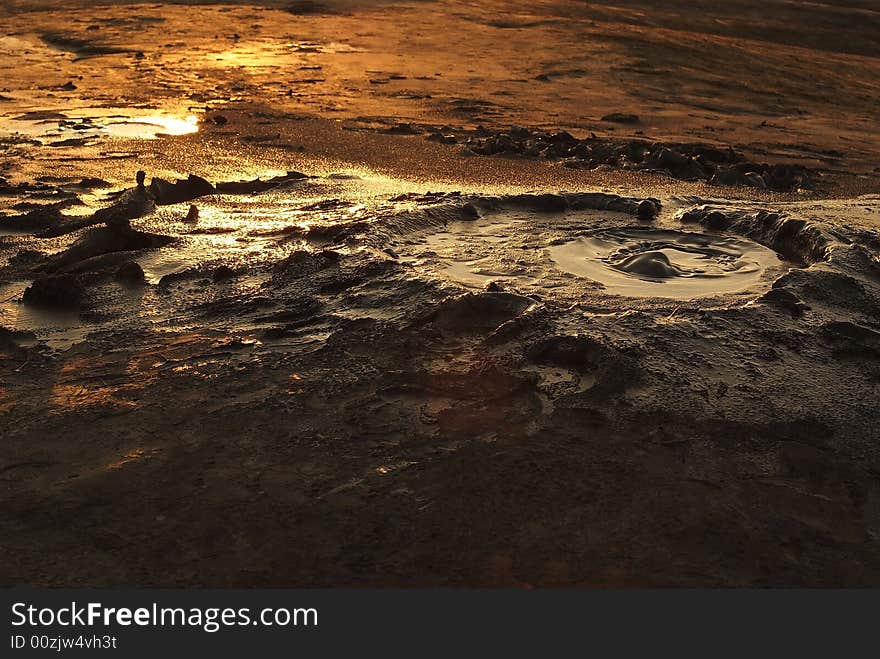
716 165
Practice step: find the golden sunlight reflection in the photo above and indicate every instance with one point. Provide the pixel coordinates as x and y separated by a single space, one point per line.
164 125
273 54
78 127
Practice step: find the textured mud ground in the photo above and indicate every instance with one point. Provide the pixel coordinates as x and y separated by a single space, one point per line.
328 375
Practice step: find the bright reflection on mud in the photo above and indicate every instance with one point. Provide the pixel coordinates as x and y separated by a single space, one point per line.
163 125
247 232
78 127
271 54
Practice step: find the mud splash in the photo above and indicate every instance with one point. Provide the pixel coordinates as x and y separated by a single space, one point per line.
673 264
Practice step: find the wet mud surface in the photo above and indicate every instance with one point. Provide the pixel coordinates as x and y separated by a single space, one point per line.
305 352
431 393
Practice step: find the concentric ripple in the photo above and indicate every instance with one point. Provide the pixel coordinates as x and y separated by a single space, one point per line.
673 264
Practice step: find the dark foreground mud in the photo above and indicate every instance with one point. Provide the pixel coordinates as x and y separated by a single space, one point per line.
422 395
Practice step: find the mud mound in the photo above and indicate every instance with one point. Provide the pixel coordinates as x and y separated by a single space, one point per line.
193 187
580 353
79 46
105 240
397 225
130 272
479 312
103 263
575 201
783 298
37 219
833 289
856 259
540 203
58 291
258 185
11 342
302 263
430 218
129 204
852 340
309 8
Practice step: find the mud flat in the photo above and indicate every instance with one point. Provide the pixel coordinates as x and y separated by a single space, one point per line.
425 344
396 394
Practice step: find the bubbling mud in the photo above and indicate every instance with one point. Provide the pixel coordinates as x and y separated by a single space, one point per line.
671 264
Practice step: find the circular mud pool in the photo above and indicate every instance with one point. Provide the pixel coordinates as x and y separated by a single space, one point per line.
672 264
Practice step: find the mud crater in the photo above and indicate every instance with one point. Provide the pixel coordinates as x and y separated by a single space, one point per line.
585 251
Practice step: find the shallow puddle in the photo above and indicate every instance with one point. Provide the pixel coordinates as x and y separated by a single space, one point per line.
76 126
60 329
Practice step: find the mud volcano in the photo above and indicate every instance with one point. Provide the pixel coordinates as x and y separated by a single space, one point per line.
672 264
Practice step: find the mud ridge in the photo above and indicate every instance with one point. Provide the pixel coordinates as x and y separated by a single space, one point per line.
796 239
717 165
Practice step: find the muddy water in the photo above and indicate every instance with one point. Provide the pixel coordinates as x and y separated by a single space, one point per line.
81 124
564 254
672 264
